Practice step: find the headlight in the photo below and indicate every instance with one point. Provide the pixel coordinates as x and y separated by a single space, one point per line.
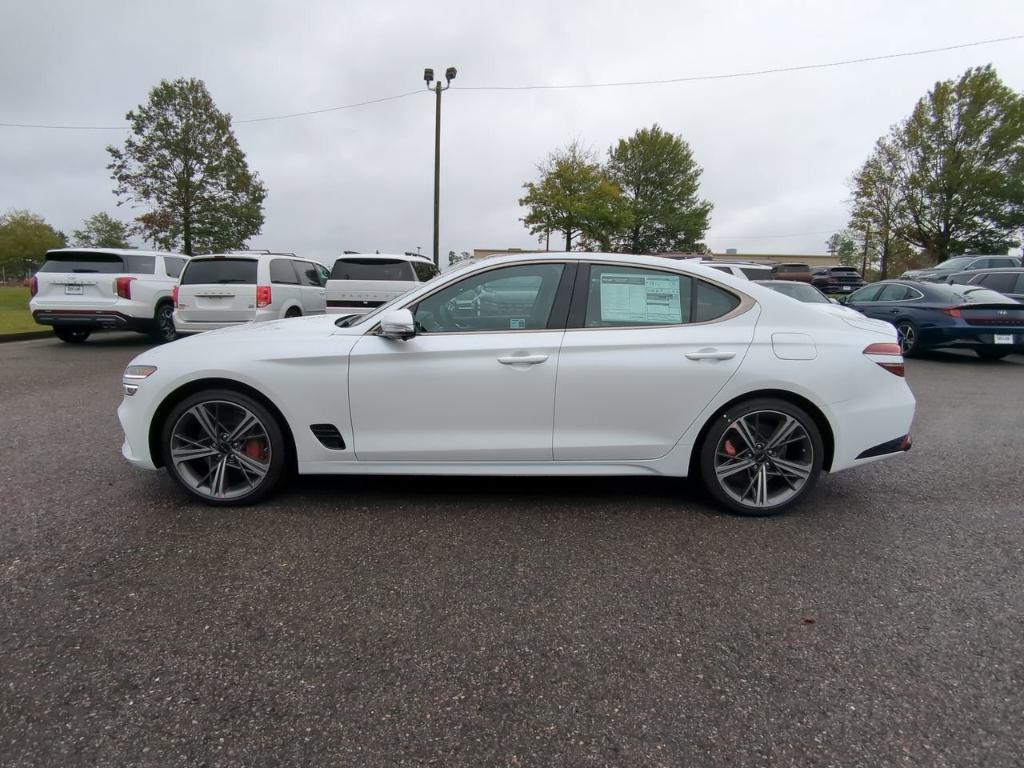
136 373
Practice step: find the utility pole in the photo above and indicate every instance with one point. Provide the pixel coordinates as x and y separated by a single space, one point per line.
428 76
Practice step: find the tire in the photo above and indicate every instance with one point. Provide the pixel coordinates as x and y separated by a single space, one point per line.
230 472
163 324
735 480
71 334
293 312
987 353
909 337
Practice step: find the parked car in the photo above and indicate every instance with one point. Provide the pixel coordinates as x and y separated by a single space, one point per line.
1008 281
663 368
225 289
932 315
810 295
837 279
741 269
79 290
360 282
799 272
941 273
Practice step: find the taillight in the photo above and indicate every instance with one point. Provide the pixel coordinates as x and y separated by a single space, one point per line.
123 285
33 286
888 355
174 296
262 296
954 312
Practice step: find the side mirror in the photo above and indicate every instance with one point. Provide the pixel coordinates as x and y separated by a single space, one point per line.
397 324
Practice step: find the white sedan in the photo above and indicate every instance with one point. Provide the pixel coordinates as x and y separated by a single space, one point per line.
533 364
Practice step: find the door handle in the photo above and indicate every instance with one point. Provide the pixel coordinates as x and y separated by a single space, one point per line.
522 359
709 353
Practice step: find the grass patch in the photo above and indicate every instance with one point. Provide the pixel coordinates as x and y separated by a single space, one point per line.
14 314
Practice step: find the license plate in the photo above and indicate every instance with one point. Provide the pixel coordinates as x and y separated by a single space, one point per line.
73 290
1004 338
846 288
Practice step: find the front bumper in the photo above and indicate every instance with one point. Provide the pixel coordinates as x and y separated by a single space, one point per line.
134 417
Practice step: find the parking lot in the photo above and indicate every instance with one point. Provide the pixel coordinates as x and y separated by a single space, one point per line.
453 621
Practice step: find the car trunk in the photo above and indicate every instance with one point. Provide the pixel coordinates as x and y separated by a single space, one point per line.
218 290
367 283
1008 316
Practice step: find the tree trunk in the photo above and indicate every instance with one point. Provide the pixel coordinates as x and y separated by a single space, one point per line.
186 229
568 239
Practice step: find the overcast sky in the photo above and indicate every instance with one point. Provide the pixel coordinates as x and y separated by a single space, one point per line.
777 149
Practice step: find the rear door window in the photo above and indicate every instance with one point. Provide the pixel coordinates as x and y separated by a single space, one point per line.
895 292
870 293
211 271
633 297
713 302
282 272
373 269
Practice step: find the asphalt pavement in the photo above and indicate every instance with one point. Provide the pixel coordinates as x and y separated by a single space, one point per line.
507 622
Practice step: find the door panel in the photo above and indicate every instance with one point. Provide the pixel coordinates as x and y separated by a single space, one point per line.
454 397
632 393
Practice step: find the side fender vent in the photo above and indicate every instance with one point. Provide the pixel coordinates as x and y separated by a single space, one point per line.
329 435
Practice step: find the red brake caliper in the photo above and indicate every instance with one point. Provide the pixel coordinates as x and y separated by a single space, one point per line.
254 450
730 449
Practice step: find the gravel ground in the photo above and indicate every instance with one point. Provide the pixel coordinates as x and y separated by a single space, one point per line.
507 622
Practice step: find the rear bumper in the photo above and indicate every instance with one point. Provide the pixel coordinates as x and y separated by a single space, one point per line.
91 318
967 336
199 326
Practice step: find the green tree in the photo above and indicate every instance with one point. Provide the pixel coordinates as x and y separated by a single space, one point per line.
101 231
574 196
660 181
182 160
953 171
24 240
843 247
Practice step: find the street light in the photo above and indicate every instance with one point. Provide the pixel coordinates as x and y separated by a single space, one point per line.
428 77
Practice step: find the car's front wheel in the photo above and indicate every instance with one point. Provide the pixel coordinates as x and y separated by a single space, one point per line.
224 448
761 457
71 334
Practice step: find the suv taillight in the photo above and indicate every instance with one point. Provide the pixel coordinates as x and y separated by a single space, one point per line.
174 296
888 355
263 296
33 286
123 286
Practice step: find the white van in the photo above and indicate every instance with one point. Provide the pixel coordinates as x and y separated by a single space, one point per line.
224 289
360 282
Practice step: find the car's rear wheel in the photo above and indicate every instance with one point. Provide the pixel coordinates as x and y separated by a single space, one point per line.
761 457
293 312
224 448
163 324
909 337
71 334
987 353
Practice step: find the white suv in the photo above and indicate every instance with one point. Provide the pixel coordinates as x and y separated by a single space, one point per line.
360 282
80 290
225 289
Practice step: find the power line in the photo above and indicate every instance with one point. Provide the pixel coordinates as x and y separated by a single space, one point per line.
687 79
791 234
246 120
749 73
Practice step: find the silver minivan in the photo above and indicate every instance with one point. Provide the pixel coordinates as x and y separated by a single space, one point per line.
224 289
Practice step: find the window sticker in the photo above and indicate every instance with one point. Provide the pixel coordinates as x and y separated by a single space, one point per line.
516 323
629 298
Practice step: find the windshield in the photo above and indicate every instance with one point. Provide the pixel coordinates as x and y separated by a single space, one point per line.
212 271
954 263
372 269
800 292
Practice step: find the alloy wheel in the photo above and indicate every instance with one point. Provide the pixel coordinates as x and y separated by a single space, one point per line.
220 449
907 337
165 323
763 459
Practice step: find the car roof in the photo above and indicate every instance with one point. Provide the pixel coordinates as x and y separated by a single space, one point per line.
740 264
1011 270
117 252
